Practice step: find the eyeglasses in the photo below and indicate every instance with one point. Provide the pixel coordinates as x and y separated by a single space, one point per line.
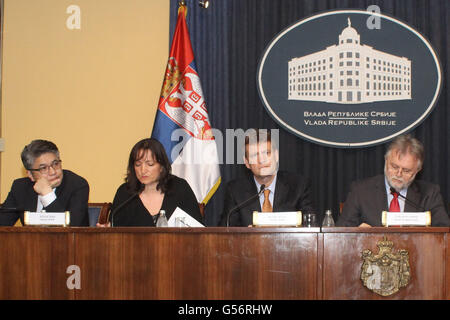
43 169
403 171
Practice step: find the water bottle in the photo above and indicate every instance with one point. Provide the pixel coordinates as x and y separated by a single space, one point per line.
328 220
162 220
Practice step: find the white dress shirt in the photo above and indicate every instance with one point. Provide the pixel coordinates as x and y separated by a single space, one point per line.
44 201
401 201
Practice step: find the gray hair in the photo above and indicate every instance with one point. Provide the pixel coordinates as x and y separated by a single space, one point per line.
35 149
406 144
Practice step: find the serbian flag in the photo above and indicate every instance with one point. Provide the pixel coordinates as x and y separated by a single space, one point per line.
182 123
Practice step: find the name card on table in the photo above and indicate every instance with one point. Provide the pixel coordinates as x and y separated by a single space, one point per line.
277 219
403 219
47 219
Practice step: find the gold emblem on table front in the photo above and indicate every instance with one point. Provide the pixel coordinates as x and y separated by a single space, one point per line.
385 272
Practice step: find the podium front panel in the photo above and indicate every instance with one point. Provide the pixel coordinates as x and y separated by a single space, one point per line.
428 260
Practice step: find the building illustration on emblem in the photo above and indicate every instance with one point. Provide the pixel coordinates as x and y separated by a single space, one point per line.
349 73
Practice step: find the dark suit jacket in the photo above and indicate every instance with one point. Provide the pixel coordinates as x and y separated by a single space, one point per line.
134 213
292 193
367 199
72 195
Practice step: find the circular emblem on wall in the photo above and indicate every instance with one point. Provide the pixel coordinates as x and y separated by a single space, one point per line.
349 78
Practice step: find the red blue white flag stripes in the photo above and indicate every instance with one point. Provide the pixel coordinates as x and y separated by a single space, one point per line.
182 124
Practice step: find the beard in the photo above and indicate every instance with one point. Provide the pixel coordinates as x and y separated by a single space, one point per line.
398 183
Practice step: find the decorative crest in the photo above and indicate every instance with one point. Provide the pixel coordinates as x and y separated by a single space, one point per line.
386 272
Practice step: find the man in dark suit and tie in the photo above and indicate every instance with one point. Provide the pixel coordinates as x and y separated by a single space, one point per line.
48 187
368 198
283 191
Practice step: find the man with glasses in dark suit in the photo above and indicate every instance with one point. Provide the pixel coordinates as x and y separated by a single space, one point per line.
387 192
48 187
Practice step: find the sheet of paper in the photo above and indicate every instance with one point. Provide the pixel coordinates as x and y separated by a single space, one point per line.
188 220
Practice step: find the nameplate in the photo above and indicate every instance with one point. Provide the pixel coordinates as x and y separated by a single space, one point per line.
47 219
277 219
406 219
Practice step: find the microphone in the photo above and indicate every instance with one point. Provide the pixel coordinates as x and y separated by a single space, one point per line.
11 209
116 210
407 200
263 186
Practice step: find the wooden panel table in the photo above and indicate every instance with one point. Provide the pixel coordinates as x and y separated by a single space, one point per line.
447 271
207 263
429 257
166 263
33 264
213 263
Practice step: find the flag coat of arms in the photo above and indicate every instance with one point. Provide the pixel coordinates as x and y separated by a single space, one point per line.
182 124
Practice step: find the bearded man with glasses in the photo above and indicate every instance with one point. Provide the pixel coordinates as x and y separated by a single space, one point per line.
48 187
369 197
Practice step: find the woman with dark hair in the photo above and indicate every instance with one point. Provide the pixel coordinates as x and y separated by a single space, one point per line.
150 187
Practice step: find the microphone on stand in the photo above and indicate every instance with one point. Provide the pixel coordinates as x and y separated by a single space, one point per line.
116 210
263 186
407 200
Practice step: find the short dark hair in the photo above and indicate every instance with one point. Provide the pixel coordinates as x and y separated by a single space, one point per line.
157 149
35 149
257 136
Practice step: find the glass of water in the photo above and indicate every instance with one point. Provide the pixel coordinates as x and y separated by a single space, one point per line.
310 220
180 222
